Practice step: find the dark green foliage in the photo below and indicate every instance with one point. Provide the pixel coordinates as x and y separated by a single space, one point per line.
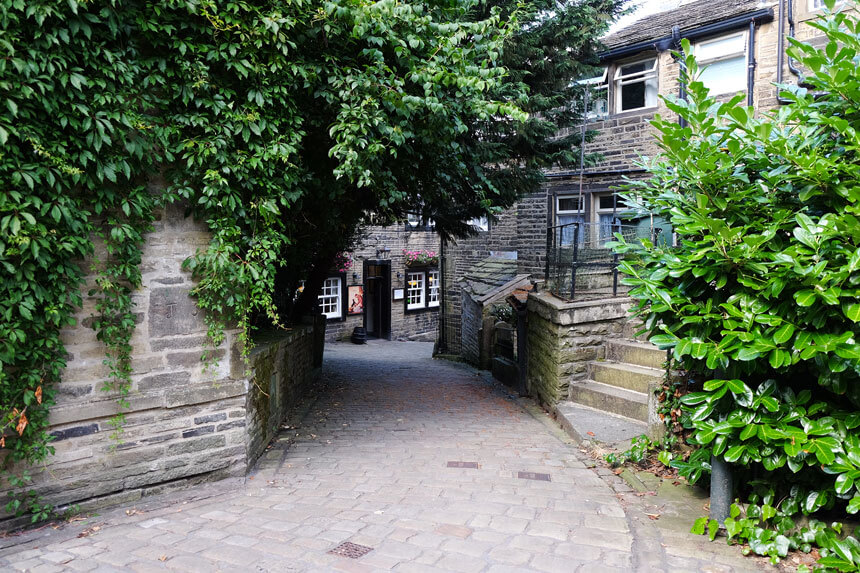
761 298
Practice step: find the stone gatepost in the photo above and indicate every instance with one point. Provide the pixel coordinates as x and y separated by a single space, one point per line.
564 336
186 422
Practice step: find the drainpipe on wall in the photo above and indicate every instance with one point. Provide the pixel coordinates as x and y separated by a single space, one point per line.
682 88
751 65
442 343
780 57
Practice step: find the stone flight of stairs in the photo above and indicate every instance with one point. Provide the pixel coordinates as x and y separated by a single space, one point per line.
613 401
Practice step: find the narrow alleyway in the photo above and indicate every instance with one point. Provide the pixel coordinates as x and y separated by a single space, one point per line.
418 464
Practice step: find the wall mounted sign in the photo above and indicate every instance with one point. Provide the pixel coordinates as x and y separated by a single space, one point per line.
398 294
355 296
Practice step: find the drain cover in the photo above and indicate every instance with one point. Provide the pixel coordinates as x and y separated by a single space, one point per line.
533 475
351 550
470 465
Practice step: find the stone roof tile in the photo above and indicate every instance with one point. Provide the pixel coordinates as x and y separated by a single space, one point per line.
687 16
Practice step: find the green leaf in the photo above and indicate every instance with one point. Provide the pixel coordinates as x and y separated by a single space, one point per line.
713 528
852 311
805 297
844 483
783 334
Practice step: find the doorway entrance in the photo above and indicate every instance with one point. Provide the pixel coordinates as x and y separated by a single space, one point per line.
377 298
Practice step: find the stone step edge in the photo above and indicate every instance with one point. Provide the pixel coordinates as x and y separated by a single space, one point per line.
613 395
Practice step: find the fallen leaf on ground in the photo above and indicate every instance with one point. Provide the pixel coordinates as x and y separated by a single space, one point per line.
163 558
590 434
618 471
653 516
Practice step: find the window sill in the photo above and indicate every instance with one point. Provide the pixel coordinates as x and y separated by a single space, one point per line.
632 113
420 310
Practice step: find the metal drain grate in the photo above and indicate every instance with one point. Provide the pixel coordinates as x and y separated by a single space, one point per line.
533 475
351 550
469 465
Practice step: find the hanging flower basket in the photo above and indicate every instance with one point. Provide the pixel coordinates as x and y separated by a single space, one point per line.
421 258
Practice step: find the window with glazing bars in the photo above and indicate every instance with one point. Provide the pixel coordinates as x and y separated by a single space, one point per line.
415 290
330 298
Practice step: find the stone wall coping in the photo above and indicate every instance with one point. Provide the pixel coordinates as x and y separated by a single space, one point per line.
265 340
566 313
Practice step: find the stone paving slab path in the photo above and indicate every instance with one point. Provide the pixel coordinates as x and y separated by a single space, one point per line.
418 464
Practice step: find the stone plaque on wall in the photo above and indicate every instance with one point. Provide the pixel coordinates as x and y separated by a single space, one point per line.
172 312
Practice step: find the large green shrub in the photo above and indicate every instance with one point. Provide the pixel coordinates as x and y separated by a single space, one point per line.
760 299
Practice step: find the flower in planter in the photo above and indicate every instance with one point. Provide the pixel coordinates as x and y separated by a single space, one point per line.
415 258
342 262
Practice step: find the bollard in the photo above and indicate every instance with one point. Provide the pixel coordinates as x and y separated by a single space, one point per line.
721 489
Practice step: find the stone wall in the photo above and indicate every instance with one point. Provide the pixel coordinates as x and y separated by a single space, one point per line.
520 233
186 422
563 336
472 322
389 243
282 373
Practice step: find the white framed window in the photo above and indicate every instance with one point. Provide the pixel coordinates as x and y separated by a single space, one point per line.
568 209
433 288
480 223
330 298
415 290
723 63
635 85
413 220
819 4
598 96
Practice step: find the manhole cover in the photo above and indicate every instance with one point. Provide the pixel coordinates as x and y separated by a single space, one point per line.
533 475
470 465
351 550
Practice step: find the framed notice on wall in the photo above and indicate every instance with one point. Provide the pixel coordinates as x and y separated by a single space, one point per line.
398 294
355 299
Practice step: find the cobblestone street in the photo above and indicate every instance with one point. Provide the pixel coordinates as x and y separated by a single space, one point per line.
420 464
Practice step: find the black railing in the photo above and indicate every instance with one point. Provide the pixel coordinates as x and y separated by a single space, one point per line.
578 260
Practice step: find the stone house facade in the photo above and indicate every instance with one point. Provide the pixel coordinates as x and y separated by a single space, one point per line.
381 291
740 44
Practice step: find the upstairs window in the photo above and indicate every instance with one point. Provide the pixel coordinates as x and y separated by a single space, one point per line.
598 96
723 63
480 223
636 85
819 4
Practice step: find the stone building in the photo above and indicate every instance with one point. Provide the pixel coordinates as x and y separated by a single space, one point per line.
381 290
740 44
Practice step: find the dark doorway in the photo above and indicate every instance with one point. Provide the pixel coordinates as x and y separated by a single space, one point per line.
377 298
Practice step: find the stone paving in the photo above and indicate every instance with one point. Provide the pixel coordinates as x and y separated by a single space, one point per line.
421 464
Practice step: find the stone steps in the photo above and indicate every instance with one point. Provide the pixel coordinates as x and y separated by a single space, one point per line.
586 424
624 375
635 352
618 389
609 398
